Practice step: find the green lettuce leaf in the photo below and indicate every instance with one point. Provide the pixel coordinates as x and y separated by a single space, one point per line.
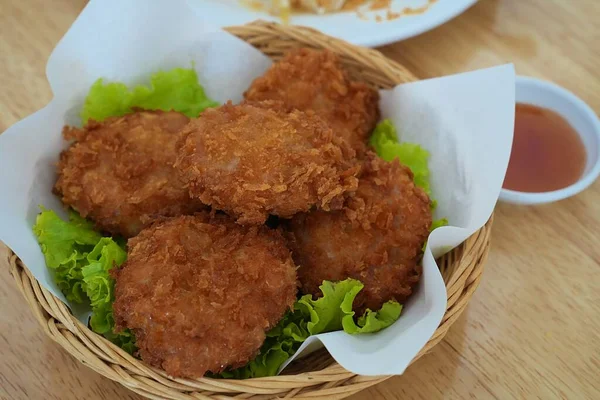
326 312
330 312
273 353
439 222
123 339
384 141
99 285
177 89
65 245
106 100
81 260
371 321
60 240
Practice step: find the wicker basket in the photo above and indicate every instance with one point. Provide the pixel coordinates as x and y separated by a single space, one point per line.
317 376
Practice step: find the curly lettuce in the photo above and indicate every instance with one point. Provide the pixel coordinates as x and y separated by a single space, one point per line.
384 140
177 89
333 310
80 260
330 312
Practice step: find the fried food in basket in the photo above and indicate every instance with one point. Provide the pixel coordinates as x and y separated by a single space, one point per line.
197 294
308 79
255 159
200 291
119 172
377 238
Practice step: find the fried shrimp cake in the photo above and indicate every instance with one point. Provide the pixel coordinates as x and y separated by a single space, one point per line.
377 238
255 159
200 291
119 173
309 79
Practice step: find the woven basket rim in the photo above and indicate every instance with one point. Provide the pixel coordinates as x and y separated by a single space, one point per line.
461 269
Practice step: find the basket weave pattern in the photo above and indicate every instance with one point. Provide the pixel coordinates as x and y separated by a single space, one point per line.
317 376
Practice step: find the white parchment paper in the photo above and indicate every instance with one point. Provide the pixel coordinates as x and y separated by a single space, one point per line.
465 121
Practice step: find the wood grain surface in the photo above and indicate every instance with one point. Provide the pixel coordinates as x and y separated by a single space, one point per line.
531 331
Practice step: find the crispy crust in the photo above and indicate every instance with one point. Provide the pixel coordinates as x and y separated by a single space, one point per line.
200 291
377 238
119 173
255 159
308 79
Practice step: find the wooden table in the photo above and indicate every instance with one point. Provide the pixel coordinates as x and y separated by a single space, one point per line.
532 329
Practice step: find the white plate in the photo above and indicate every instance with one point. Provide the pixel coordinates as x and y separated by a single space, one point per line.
344 25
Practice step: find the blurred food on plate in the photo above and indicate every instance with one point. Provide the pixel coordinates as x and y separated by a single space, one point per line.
283 7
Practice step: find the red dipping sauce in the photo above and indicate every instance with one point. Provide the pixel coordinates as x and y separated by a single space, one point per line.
547 153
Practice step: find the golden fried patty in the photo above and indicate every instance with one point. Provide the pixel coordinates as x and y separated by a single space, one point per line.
256 159
308 79
119 173
377 238
199 292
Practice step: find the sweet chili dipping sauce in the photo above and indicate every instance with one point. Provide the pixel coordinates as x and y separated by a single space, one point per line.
547 153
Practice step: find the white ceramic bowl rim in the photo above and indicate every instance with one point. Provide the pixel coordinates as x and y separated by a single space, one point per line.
589 177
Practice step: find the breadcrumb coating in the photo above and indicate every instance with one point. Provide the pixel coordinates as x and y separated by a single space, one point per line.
119 172
308 79
377 238
199 292
255 159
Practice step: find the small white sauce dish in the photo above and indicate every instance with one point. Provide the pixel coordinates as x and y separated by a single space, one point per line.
581 117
